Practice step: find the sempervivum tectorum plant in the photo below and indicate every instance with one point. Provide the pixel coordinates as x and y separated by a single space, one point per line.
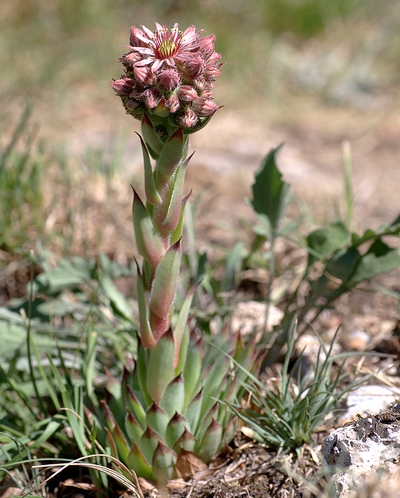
158 418
166 409
169 74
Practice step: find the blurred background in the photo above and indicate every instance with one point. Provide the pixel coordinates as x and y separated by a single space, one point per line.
310 73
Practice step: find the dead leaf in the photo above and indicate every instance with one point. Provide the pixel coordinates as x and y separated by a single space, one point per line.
188 463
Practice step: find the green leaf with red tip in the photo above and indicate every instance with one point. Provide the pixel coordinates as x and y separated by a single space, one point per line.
213 378
132 427
145 332
142 365
211 443
170 157
121 443
160 369
157 419
136 407
111 422
149 244
177 233
148 443
230 429
187 441
173 397
162 294
181 326
163 464
192 371
193 411
111 443
175 196
175 429
152 195
137 461
206 419
153 141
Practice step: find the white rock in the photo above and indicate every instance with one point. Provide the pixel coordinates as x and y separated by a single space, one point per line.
368 447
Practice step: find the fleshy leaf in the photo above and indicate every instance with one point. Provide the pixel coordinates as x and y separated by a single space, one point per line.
187 442
170 157
181 326
148 443
165 282
133 428
174 208
173 397
157 419
160 369
137 461
193 411
152 196
136 407
192 370
211 443
175 429
149 244
163 464
151 138
145 332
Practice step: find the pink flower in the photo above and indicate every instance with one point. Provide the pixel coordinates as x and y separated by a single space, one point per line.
169 74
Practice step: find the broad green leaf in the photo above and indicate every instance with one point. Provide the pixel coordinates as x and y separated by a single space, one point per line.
379 259
343 264
270 191
392 228
324 241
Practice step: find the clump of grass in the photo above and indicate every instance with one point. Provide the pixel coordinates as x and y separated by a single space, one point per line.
287 415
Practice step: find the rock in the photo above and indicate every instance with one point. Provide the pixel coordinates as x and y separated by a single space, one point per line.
364 450
369 399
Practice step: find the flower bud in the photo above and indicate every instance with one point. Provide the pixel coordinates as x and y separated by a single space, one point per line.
124 86
204 107
187 93
206 45
168 80
173 103
188 118
136 36
152 97
194 66
143 75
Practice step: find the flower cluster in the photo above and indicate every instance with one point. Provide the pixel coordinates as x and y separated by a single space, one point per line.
169 75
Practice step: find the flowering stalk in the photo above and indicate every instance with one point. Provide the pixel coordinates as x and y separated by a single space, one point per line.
167 84
165 409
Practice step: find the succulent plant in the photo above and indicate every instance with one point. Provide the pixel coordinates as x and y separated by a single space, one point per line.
156 423
166 409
